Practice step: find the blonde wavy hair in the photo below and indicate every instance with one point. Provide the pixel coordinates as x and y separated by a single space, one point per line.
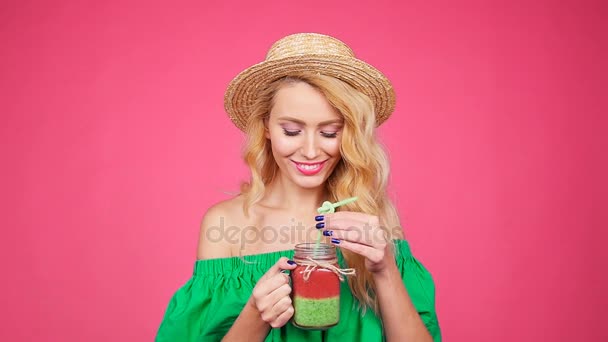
362 171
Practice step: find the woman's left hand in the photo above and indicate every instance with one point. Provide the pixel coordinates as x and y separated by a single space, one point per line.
360 233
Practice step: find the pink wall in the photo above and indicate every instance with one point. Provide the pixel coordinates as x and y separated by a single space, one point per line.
114 142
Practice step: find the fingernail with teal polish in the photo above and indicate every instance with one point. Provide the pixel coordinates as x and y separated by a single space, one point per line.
319 218
336 241
291 262
328 232
320 225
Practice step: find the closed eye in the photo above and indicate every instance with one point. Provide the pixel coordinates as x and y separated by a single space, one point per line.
291 133
329 134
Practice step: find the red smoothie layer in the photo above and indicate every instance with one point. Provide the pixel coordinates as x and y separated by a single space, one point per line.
322 283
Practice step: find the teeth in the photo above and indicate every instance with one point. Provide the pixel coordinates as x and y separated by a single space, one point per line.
309 167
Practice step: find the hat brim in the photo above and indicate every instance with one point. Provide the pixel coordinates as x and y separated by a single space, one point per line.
243 89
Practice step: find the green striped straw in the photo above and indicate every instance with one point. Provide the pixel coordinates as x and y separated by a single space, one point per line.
327 208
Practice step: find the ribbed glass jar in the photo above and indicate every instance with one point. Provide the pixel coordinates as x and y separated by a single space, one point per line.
316 295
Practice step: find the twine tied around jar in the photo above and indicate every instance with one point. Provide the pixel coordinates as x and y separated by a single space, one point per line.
312 264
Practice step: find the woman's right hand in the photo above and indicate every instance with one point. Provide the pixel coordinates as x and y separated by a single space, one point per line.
271 294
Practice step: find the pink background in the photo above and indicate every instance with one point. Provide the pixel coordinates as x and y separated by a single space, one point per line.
114 142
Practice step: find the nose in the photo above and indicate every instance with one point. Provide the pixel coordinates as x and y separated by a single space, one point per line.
310 147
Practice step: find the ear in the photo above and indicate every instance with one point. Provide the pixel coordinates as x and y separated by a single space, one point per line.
266 131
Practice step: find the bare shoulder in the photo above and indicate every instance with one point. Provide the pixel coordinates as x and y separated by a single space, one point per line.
223 214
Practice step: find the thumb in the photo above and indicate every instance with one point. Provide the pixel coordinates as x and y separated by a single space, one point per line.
282 264
286 264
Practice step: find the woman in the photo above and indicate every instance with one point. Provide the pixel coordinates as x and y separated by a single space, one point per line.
309 111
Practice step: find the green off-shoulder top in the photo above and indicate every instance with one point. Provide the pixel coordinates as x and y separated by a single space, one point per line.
205 308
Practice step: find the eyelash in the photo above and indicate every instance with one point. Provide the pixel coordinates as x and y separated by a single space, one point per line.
294 133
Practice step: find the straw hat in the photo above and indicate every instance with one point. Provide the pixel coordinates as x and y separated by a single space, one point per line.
308 53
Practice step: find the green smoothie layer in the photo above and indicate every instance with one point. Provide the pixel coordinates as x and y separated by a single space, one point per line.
316 313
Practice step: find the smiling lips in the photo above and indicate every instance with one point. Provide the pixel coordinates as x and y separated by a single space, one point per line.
309 169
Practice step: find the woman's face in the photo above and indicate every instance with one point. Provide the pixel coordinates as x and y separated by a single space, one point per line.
305 133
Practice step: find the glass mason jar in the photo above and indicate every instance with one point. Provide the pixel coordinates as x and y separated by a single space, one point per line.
316 293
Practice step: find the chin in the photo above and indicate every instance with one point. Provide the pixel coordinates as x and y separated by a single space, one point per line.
310 184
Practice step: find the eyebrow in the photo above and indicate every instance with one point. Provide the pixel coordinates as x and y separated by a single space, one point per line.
288 118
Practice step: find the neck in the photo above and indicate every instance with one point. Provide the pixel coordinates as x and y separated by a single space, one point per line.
285 195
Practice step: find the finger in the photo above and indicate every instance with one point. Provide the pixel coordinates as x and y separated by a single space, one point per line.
281 306
283 318
370 253
264 287
372 237
350 223
340 224
269 285
275 296
356 236
350 216
282 264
